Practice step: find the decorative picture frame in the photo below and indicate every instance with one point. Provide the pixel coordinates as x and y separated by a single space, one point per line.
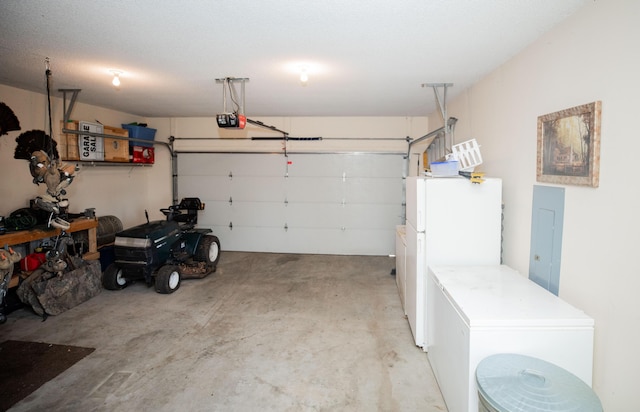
569 146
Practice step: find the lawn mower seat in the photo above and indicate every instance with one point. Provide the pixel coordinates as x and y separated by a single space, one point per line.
191 205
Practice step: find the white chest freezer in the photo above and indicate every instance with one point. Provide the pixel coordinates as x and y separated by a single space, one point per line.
477 311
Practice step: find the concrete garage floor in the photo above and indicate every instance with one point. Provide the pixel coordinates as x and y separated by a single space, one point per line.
266 332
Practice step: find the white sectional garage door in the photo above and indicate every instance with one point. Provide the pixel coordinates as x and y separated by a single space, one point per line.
304 203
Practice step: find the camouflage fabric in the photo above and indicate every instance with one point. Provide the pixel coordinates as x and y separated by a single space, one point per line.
27 295
8 257
51 293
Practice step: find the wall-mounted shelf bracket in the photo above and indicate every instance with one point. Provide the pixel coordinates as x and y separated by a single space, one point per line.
72 102
442 106
441 100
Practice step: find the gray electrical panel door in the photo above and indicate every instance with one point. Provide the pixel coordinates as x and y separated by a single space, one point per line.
301 203
546 237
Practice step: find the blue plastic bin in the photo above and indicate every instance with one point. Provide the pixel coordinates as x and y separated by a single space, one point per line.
140 132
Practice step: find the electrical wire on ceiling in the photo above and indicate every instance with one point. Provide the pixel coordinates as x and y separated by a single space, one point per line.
227 86
232 96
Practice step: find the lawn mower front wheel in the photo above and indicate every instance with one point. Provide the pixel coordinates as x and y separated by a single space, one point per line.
167 279
113 279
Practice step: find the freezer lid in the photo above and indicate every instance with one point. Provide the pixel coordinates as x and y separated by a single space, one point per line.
498 296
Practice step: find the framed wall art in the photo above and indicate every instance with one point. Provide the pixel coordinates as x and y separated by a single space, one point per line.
569 146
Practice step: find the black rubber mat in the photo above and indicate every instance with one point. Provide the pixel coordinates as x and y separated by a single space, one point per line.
25 366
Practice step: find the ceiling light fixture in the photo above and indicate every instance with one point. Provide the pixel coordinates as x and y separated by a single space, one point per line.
304 69
116 77
304 76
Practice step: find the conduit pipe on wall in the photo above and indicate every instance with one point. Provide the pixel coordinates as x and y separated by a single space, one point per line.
292 138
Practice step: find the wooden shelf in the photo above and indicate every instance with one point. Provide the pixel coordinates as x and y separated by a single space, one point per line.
86 163
24 236
77 225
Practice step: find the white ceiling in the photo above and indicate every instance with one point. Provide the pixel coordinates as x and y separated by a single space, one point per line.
365 57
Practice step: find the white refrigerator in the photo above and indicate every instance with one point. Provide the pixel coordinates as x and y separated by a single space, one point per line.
448 221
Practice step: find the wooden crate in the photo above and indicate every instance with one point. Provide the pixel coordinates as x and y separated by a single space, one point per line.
116 150
68 144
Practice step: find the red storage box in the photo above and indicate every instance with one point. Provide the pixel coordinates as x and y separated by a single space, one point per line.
142 154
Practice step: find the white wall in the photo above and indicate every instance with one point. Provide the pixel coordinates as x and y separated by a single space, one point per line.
592 56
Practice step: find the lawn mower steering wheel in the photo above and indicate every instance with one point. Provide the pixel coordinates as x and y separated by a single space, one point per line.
171 211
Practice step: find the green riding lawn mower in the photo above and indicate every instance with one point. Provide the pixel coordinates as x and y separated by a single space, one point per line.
164 252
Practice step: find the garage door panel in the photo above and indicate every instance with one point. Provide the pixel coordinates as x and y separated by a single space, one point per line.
363 216
212 187
328 203
203 164
252 239
263 214
360 241
303 239
315 165
319 189
367 165
249 164
314 215
216 213
258 189
373 190
239 164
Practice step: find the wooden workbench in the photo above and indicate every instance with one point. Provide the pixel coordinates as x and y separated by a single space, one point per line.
77 225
